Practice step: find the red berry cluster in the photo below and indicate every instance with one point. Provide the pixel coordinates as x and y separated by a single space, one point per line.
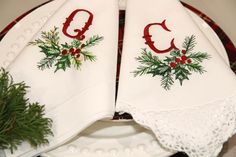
180 60
73 52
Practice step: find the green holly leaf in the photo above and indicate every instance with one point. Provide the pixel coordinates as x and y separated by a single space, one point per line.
60 66
45 50
181 73
76 43
63 63
175 53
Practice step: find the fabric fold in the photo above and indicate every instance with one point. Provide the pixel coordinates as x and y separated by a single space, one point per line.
173 81
70 66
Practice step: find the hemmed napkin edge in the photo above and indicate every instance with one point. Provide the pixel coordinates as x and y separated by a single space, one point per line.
157 122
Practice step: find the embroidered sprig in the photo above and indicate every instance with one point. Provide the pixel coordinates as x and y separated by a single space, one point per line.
178 66
63 56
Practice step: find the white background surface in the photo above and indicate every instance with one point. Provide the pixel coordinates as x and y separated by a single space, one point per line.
223 12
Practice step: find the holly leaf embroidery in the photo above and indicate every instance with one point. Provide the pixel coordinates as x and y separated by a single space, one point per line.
178 66
65 55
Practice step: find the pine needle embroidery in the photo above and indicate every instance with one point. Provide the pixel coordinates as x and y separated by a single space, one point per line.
66 55
178 66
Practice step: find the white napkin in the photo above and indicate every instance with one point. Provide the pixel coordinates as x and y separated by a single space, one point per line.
173 81
78 86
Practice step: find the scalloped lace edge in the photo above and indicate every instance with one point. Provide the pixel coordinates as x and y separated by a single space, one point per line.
199 131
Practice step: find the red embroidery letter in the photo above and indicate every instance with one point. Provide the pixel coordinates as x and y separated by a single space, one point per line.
80 32
149 41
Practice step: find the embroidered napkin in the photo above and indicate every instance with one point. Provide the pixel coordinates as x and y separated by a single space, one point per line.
70 66
173 81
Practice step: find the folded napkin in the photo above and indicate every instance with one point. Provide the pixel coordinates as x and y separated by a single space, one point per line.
70 66
173 81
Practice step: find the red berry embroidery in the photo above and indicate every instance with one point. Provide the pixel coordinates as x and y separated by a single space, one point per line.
64 52
177 60
78 51
183 51
83 45
184 58
182 62
72 50
173 65
73 53
189 61
77 56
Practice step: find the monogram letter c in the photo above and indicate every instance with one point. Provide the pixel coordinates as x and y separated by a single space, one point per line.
149 41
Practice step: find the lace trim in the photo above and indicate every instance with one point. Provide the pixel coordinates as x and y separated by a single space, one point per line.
199 131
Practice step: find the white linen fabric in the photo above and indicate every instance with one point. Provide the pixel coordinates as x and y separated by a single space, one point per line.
77 86
173 81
